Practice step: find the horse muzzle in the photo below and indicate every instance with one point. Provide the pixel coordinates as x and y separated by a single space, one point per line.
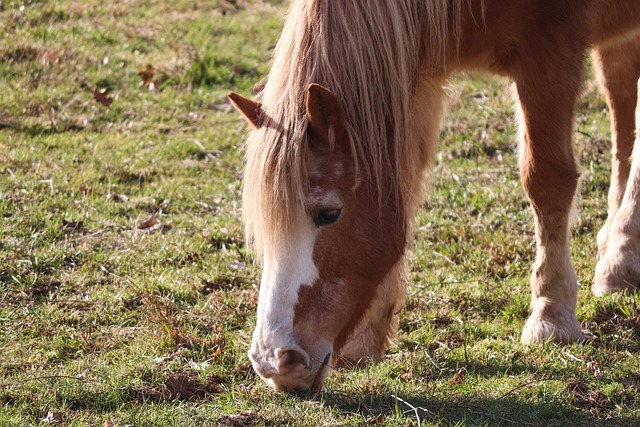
290 368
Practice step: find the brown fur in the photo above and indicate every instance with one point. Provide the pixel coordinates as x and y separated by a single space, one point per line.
384 63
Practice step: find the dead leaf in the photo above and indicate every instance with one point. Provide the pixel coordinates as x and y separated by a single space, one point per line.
118 197
147 75
216 354
458 377
132 303
211 286
102 96
181 386
244 419
44 289
407 376
52 417
72 225
151 225
108 423
594 367
187 386
582 396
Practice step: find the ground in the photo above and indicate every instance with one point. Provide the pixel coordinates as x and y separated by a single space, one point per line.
127 296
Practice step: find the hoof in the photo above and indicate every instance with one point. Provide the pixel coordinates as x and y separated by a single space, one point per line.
616 272
618 268
609 283
551 321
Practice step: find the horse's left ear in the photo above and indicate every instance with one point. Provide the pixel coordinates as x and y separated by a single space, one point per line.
250 109
324 112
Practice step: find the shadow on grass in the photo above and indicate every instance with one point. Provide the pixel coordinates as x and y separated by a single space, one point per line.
581 400
507 411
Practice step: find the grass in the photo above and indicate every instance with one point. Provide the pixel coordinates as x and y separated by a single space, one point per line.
126 294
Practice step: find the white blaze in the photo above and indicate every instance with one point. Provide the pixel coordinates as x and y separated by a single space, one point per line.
286 269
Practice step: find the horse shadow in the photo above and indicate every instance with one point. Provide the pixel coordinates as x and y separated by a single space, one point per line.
577 405
473 411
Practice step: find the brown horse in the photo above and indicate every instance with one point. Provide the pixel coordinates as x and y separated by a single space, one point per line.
347 126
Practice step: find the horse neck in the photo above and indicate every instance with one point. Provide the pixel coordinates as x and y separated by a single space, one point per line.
419 147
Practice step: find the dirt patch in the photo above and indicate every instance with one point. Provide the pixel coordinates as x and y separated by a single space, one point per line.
583 397
243 419
182 385
222 283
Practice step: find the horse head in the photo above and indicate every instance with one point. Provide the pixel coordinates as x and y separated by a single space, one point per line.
322 270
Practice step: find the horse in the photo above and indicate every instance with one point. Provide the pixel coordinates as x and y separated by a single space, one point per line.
346 128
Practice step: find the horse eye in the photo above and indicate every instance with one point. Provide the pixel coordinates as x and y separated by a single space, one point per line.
326 217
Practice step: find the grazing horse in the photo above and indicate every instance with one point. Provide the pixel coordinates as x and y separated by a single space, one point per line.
347 125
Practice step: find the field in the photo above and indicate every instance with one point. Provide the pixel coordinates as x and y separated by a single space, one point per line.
127 296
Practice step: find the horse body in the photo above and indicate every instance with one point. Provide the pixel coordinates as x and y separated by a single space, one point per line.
347 126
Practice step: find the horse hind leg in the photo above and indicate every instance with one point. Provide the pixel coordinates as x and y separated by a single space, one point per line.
619 265
550 177
618 69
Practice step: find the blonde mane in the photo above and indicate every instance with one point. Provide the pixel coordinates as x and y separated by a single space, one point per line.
369 53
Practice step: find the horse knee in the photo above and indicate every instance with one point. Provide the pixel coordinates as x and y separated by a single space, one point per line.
551 187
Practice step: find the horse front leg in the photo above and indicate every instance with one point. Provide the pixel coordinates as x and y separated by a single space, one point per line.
550 178
619 265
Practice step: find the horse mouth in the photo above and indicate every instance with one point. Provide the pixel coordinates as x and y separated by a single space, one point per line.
309 378
322 373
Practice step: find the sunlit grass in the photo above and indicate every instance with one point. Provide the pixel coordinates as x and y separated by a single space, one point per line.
126 293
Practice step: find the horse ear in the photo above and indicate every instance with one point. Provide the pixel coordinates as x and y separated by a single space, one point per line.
250 109
324 111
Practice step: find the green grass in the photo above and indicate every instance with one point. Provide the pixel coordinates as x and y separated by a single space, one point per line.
103 322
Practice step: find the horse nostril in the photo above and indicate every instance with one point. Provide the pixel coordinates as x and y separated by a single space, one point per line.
290 360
